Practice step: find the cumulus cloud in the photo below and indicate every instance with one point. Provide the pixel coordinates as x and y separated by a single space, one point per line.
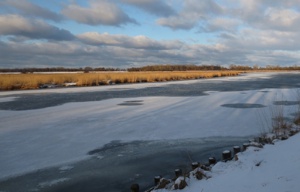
191 15
253 39
230 15
281 19
136 42
33 29
71 54
221 24
275 15
42 54
101 12
78 53
27 8
156 7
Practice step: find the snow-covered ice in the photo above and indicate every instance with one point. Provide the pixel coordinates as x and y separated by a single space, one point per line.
51 183
40 138
7 99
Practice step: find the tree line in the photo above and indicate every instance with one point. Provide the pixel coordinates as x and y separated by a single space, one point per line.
177 68
154 68
58 69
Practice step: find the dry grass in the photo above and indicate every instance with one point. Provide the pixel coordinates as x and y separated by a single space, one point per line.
33 81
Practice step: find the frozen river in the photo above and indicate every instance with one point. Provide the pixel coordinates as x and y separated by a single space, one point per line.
105 138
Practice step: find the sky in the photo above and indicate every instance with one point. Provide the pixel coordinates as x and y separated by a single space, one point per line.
134 33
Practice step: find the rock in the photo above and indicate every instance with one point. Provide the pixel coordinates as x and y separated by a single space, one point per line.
255 144
163 183
199 174
180 183
236 157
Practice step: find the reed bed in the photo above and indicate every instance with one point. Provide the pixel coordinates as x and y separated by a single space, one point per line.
34 81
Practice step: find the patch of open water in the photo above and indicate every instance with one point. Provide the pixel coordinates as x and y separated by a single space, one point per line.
114 167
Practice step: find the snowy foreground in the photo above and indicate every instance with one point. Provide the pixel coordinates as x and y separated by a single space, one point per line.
53 136
275 168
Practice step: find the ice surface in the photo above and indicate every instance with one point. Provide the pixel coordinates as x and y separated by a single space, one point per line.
53 182
7 99
36 139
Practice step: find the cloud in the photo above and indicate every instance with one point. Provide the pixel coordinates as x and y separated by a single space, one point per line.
101 12
231 15
33 29
221 24
79 54
254 39
281 19
267 15
191 15
156 7
27 8
68 53
136 42
281 58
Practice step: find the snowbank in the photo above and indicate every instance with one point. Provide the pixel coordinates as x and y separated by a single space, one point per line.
275 168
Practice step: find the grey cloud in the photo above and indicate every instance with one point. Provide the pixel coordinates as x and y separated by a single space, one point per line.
192 14
208 7
212 16
34 29
177 22
70 54
253 39
220 24
156 7
27 8
137 42
281 58
275 14
100 12
77 54
281 19
261 47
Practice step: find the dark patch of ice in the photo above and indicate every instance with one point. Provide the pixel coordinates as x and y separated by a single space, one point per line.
243 105
286 103
134 101
130 104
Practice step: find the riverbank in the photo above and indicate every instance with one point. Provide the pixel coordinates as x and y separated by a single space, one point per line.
274 168
39 80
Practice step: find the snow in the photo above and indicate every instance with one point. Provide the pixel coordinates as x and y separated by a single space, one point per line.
53 182
54 136
275 168
65 168
7 99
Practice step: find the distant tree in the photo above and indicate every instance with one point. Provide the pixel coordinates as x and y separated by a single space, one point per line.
87 69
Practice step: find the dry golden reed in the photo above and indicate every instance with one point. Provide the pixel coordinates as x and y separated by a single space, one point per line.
34 80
